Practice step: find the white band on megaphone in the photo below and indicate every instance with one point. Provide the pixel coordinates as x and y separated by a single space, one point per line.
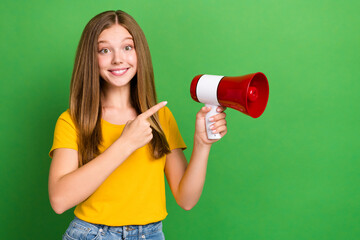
206 89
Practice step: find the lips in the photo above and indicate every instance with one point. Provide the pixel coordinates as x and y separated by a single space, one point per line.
118 71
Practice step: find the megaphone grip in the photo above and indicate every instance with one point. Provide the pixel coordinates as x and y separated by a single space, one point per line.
212 112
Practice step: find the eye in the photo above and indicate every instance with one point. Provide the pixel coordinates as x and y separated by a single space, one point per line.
104 50
128 48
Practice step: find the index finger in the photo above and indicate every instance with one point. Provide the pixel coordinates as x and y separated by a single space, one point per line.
148 113
221 109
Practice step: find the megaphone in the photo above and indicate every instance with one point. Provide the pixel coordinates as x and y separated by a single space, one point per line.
248 94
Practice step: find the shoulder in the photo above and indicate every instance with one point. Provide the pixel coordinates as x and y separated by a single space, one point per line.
65 134
171 129
65 117
165 114
167 119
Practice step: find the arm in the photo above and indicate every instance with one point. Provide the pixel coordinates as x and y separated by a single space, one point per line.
186 181
69 185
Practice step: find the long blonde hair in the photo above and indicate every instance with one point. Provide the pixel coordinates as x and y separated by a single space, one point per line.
85 89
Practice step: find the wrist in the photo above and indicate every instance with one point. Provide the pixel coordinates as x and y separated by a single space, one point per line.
201 143
124 146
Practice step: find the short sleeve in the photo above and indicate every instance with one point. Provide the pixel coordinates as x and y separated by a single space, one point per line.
65 135
171 130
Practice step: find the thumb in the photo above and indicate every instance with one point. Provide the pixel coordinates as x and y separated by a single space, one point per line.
203 111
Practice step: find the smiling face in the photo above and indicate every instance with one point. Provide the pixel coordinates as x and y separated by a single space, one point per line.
116 56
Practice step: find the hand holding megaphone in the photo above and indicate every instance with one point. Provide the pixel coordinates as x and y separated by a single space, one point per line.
248 94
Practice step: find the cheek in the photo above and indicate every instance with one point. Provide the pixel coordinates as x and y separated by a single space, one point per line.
102 61
133 59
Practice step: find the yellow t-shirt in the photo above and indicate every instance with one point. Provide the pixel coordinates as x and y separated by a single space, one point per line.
134 194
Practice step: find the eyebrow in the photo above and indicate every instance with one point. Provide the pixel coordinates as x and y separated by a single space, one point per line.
104 41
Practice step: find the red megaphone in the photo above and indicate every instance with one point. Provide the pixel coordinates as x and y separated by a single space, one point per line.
248 94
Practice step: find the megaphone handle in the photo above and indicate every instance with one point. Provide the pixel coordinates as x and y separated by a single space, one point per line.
212 112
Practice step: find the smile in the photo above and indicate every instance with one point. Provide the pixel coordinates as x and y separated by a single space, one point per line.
119 72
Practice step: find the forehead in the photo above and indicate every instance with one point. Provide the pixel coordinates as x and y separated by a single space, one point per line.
116 33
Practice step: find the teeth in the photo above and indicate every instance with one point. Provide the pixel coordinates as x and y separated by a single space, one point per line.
119 71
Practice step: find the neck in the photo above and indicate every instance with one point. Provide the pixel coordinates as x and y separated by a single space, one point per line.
118 98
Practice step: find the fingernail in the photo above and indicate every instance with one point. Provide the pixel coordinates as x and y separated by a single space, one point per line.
213 131
211 119
165 102
212 127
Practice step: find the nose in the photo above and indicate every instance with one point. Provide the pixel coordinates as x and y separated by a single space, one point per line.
117 57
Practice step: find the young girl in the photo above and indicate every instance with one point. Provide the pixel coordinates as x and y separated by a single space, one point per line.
113 145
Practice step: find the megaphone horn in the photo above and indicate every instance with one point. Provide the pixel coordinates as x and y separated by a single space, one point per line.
248 94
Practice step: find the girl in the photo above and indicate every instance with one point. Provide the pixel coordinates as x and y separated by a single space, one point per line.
113 145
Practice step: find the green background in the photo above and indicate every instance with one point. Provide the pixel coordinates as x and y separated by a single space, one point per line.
293 173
